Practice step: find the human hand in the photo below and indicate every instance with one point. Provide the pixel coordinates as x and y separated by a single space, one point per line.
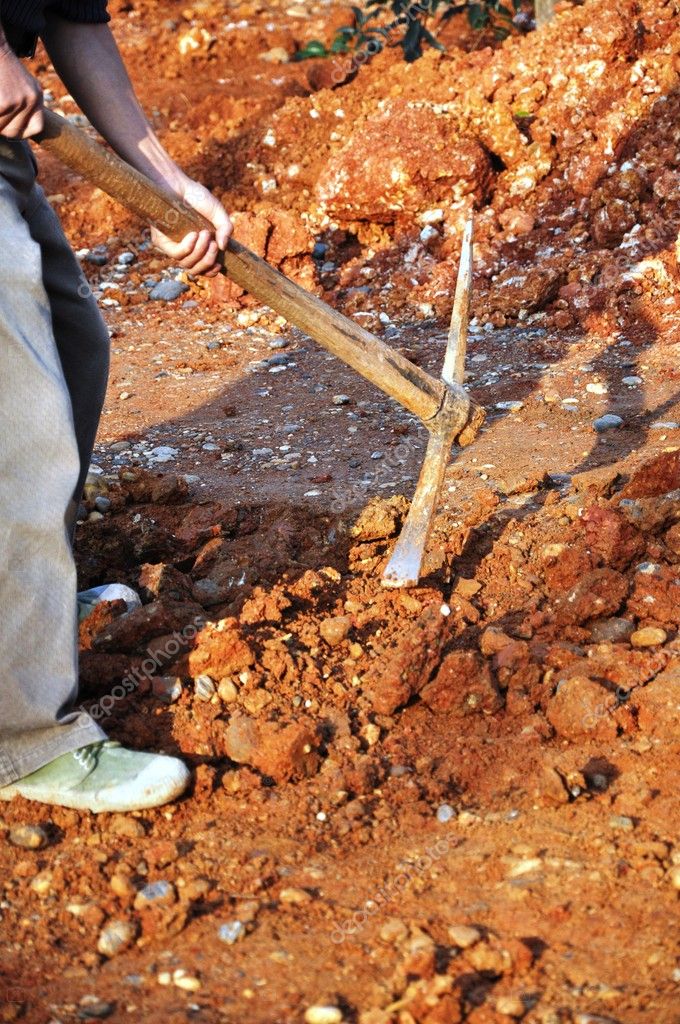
21 99
197 252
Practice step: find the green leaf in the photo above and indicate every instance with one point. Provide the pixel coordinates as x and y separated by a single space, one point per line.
339 45
314 48
478 16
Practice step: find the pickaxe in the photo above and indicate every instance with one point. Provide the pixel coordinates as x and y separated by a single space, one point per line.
442 405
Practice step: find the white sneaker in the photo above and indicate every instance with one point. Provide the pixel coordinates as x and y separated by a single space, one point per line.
87 599
104 777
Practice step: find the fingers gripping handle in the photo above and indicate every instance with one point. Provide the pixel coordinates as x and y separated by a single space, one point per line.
411 386
118 179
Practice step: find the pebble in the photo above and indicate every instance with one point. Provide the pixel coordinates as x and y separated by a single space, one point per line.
340 399
621 823
231 932
393 931
432 216
596 388
42 883
187 982
664 425
510 1006
632 381
279 343
376 455
102 504
445 813
28 837
114 937
323 1015
428 234
607 422
319 251
94 1008
166 291
167 688
464 935
649 636
126 258
512 406
227 691
614 630
204 688
155 894
334 630
163 453
294 896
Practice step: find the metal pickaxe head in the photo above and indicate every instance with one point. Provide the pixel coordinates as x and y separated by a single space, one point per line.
456 419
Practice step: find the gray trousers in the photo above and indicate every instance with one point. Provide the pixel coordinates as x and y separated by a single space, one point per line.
54 353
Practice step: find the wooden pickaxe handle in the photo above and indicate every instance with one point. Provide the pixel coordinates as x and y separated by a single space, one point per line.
412 387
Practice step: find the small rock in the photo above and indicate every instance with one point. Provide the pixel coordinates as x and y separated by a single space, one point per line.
510 1006
463 935
445 813
393 931
323 1015
335 630
155 894
294 896
94 1008
227 691
114 937
607 422
614 631
277 55
204 687
122 886
621 823
167 688
126 258
42 883
512 406
231 932
187 982
340 399
166 291
28 837
163 453
102 503
596 388
428 234
649 636
674 876
632 381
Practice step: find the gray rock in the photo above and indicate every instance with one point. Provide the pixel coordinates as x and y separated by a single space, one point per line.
231 932
126 258
166 291
156 894
114 937
102 504
94 1008
607 422
614 630
204 688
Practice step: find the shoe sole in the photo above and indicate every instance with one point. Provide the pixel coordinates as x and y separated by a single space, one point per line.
143 802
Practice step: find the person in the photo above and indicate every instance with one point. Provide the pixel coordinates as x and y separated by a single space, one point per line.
53 370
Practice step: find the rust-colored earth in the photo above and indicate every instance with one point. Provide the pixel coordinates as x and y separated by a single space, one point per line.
457 803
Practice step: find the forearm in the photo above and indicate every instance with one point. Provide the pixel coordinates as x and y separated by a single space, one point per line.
87 60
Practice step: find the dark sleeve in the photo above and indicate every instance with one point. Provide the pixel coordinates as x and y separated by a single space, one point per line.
88 11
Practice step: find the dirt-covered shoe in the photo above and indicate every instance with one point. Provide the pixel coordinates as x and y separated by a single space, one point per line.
104 777
87 599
